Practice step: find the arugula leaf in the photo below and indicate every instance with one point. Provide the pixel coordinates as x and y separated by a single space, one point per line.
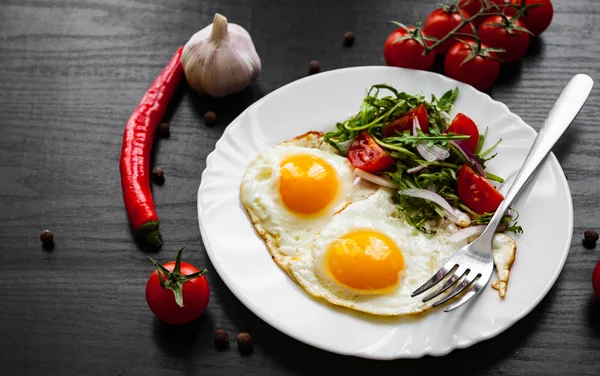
408 139
447 100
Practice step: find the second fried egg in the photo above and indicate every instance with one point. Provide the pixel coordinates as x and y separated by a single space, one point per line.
369 259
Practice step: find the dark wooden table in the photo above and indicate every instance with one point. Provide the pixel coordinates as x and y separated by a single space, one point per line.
72 71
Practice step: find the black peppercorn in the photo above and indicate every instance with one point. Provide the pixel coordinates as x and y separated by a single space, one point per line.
590 237
244 341
314 67
221 339
210 118
164 130
349 38
158 175
47 238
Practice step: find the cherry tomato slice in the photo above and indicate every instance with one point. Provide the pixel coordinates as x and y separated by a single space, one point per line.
476 192
366 155
462 124
405 122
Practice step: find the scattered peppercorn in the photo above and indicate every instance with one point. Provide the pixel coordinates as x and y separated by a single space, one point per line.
164 130
158 175
244 341
221 339
210 118
590 237
349 38
47 238
314 67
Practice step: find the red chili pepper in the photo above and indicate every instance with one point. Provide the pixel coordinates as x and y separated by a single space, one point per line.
137 145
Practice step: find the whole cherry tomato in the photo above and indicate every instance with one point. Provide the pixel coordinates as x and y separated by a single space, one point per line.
596 280
480 71
403 48
442 21
509 35
537 19
472 7
179 294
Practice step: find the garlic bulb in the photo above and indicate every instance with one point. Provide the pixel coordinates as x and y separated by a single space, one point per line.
220 59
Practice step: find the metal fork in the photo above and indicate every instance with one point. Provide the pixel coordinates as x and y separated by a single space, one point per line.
471 267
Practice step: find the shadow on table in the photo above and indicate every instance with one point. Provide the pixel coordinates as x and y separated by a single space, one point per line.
295 356
227 108
593 313
184 341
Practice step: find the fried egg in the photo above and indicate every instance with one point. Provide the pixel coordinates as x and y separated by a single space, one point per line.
368 258
292 190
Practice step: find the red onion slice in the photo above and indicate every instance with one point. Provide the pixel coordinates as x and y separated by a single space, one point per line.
466 233
426 152
468 154
446 116
379 180
416 125
414 170
429 153
433 197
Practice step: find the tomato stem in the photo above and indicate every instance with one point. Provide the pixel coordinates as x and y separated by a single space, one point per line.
489 9
174 280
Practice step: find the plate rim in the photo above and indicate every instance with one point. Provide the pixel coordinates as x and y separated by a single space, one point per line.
411 355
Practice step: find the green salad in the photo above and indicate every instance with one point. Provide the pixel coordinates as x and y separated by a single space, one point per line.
435 163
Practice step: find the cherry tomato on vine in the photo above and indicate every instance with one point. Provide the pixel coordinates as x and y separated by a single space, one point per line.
481 71
536 19
476 192
442 21
367 155
408 52
509 35
596 280
474 6
177 292
462 124
405 122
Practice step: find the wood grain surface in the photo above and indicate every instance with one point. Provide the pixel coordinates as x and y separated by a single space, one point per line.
72 71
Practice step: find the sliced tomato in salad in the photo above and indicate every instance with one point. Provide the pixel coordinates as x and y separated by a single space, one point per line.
462 124
476 192
405 122
367 155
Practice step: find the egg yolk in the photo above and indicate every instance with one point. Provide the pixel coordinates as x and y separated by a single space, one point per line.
307 183
365 260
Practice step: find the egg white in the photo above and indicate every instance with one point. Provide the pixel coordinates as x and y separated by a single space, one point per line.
287 234
423 255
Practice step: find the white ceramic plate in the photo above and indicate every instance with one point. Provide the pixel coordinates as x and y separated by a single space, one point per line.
317 103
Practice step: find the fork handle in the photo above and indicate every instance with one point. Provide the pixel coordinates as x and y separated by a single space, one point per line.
562 114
